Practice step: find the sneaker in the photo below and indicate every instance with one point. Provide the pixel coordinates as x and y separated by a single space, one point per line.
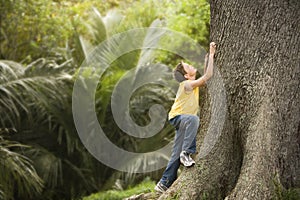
191 160
186 160
160 187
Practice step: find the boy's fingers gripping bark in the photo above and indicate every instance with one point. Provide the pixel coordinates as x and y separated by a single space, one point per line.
212 48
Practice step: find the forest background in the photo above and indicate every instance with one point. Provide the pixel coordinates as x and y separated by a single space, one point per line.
42 46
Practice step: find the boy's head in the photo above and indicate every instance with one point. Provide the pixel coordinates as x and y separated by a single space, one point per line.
184 71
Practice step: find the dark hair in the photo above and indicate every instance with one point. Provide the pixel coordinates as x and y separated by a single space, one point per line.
180 68
179 72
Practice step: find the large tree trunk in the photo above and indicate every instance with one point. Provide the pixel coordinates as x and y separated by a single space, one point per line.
259 146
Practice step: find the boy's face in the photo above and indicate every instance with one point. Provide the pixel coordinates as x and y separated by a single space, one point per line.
190 71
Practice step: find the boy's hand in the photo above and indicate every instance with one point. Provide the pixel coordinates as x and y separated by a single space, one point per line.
212 48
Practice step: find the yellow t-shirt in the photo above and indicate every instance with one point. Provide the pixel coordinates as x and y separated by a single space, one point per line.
186 102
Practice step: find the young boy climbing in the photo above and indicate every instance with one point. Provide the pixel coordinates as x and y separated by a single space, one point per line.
183 116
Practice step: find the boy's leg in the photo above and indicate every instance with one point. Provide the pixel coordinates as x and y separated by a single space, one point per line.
170 173
191 123
186 130
192 148
191 127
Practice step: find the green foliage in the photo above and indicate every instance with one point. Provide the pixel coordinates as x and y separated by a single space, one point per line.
139 110
37 27
142 13
36 107
40 25
192 18
189 17
143 187
26 89
35 97
17 171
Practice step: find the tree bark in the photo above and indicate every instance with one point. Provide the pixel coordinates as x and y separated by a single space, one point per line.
259 146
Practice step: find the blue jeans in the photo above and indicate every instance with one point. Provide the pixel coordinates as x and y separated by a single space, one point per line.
186 127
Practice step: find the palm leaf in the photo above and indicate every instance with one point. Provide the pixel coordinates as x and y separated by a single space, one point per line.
17 171
34 86
97 26
36 102
140 60
143 72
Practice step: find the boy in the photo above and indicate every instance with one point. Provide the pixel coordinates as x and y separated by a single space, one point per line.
183 116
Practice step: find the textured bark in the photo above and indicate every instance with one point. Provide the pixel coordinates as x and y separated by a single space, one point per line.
259 147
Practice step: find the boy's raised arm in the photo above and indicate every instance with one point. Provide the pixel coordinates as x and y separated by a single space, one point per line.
205 63
209 71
